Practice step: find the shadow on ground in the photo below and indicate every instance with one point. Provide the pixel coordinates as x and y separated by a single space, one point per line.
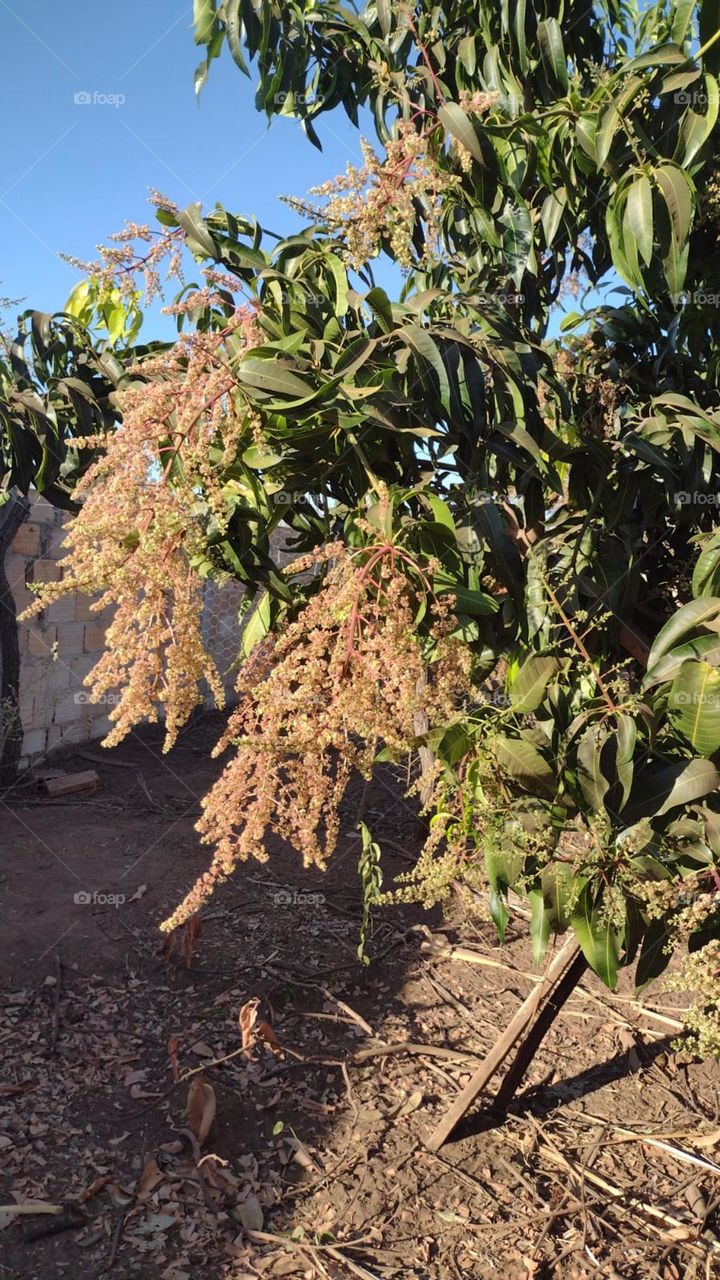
314 1164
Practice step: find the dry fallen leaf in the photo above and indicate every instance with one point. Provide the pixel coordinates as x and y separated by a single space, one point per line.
706 1140
264 1032
150 1178
172 1048
246 1019
202 1050
250 1214
190 935
94 1188
200 1108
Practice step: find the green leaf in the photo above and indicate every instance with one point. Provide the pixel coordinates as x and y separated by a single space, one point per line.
694 706
271 376
681 22
384 13
690 617
426 349
655 954
594 784
639 217
260 459
476 604
539 924
560 887
662 55
656 792
257 624
203 20
499 913
552 210
520 760
706 648
706 574
231 14
199 238
677 192
457 123
599 941
528 688
612 118
553 53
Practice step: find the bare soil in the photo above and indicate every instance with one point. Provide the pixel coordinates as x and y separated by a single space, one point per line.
314 1165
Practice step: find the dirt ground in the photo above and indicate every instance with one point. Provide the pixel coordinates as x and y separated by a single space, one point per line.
314 1164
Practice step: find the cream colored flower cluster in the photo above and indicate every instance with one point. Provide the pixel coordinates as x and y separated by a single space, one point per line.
375 203
348 675
132 545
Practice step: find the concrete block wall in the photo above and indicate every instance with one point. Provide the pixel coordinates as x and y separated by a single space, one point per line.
60 646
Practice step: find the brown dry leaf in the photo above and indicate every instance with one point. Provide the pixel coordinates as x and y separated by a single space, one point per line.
169 944
94 1188
246 1019
200 1108
706 1140
150 1178
137 1091
190 935
251 1214
264 1032
172 1048
202 1050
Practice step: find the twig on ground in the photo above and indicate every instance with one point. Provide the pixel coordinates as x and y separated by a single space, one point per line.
55 1028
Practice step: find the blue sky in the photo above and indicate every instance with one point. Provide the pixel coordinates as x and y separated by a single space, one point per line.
72 172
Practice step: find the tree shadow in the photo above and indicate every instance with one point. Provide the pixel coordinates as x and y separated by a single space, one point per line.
544 1099
286 937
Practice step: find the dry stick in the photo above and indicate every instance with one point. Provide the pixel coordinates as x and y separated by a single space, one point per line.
408 1046
657 1218
532 1041
556 970
55 1031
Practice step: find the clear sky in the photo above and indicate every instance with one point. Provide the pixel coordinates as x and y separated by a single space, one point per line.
72 171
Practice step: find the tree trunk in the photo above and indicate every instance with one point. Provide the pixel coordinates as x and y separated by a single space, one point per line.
12 515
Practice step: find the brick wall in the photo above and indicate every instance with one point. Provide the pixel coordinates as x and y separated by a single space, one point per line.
60 646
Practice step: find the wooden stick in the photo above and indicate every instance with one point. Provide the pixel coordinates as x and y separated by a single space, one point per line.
556 970
530 1044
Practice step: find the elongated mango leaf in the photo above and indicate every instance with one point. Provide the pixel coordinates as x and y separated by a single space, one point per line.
639 217
691 617
599 940
654 955
539 924
528 687
657 791
694 706
522 761
553 53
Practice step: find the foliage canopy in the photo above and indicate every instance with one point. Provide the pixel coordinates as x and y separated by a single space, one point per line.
552 475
